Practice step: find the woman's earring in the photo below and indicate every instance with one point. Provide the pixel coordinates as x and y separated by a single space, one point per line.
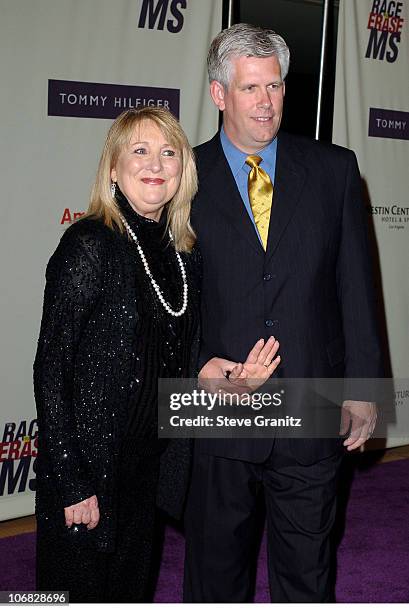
113 189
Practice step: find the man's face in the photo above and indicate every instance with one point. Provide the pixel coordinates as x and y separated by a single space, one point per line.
252 105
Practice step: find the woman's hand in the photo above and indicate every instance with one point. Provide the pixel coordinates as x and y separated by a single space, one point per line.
259 365
214 375
85 512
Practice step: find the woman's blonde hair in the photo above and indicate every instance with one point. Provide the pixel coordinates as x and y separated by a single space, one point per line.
104 206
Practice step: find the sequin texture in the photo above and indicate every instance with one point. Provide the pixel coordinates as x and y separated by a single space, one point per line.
104 341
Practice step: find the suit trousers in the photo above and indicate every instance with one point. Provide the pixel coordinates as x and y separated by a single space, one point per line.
221 526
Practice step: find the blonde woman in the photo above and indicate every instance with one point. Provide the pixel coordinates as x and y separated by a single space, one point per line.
121 310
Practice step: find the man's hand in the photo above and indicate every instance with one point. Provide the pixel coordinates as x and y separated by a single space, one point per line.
361 416
86 512
259 365
242 377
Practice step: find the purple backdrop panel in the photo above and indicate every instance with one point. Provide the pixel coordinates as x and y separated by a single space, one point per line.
384 123
105 100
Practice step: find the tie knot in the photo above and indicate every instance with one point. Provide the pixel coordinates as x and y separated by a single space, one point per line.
254 160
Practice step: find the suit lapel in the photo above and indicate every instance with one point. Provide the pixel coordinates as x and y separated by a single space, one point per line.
290 176
220 184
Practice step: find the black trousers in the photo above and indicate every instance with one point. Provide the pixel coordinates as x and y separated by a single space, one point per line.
221 527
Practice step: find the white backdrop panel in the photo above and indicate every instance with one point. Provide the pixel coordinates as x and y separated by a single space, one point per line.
49 162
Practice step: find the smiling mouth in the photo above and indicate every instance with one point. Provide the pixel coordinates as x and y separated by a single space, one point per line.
153 181
262 119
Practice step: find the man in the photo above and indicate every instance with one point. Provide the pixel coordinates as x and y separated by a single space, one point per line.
282 231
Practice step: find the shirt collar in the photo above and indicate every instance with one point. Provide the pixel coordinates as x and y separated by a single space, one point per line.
237 158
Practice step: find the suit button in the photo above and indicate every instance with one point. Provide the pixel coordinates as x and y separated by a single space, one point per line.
269 323
267 277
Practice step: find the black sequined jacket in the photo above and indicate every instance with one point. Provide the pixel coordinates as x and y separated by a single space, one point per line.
104 341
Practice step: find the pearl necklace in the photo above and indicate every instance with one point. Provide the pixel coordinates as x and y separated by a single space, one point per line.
167 307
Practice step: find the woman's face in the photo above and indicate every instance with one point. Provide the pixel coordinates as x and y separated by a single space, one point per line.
148 171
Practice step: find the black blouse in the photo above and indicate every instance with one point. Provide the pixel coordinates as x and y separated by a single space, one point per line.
167 352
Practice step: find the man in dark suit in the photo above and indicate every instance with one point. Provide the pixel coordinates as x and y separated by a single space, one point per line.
282 231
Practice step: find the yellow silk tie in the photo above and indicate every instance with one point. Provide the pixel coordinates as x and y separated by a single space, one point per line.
260 190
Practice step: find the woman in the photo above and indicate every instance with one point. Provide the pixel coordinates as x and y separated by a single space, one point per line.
120 310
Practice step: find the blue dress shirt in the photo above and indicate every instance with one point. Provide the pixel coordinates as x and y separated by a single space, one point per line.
240 170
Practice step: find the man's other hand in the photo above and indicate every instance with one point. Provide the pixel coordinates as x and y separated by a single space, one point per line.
361 418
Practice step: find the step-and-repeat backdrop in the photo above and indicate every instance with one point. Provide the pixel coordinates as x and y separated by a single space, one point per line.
67 68
372 118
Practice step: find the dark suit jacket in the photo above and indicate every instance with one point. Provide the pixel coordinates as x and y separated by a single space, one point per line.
312 288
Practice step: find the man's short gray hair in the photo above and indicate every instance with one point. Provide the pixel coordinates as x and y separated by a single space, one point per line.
243 39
